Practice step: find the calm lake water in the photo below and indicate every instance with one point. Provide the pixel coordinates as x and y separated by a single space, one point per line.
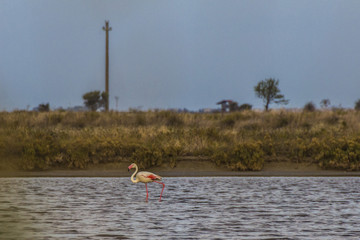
192 208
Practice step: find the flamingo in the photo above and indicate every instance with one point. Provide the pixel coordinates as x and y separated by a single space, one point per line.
145 177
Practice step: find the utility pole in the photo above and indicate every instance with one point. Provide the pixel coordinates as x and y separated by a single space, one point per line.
106 28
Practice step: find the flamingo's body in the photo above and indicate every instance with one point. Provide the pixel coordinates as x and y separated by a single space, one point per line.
145 177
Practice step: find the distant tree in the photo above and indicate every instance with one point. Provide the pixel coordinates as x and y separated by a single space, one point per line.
94 100
269 92
325 103
233 106
44 107
357 105
104 99
310 107
245 106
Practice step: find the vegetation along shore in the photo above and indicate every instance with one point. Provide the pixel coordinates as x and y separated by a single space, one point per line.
238 141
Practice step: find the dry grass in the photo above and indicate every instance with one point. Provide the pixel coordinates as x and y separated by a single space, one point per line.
241 141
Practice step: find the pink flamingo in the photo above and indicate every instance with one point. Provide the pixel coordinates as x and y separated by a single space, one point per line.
145 177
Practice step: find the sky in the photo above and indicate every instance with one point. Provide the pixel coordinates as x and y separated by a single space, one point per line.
178 53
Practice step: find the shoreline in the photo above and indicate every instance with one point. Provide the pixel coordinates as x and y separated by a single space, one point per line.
191 168
165 174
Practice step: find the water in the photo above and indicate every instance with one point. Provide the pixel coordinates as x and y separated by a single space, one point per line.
192 208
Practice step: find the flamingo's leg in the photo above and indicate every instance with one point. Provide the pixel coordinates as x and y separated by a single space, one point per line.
161 190
147 193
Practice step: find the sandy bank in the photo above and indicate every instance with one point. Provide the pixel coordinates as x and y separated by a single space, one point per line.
187 168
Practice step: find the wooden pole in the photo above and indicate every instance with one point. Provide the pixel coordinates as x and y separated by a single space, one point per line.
106 28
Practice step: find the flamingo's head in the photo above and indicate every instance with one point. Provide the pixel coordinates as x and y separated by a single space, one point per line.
131 166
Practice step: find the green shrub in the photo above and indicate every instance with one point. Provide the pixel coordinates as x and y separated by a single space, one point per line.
147 157
244 157
78 154
245 106
310 107
343 154
357 105
268 146
247 156
39 148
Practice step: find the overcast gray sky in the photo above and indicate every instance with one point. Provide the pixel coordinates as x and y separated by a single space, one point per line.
178 54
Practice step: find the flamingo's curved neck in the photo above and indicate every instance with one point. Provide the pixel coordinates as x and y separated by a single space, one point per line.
132 176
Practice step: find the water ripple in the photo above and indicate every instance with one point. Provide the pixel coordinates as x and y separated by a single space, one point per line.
192 208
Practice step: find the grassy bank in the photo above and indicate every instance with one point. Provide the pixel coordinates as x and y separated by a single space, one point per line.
239 141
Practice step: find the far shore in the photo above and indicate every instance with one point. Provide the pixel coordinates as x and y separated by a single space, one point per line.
191 169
